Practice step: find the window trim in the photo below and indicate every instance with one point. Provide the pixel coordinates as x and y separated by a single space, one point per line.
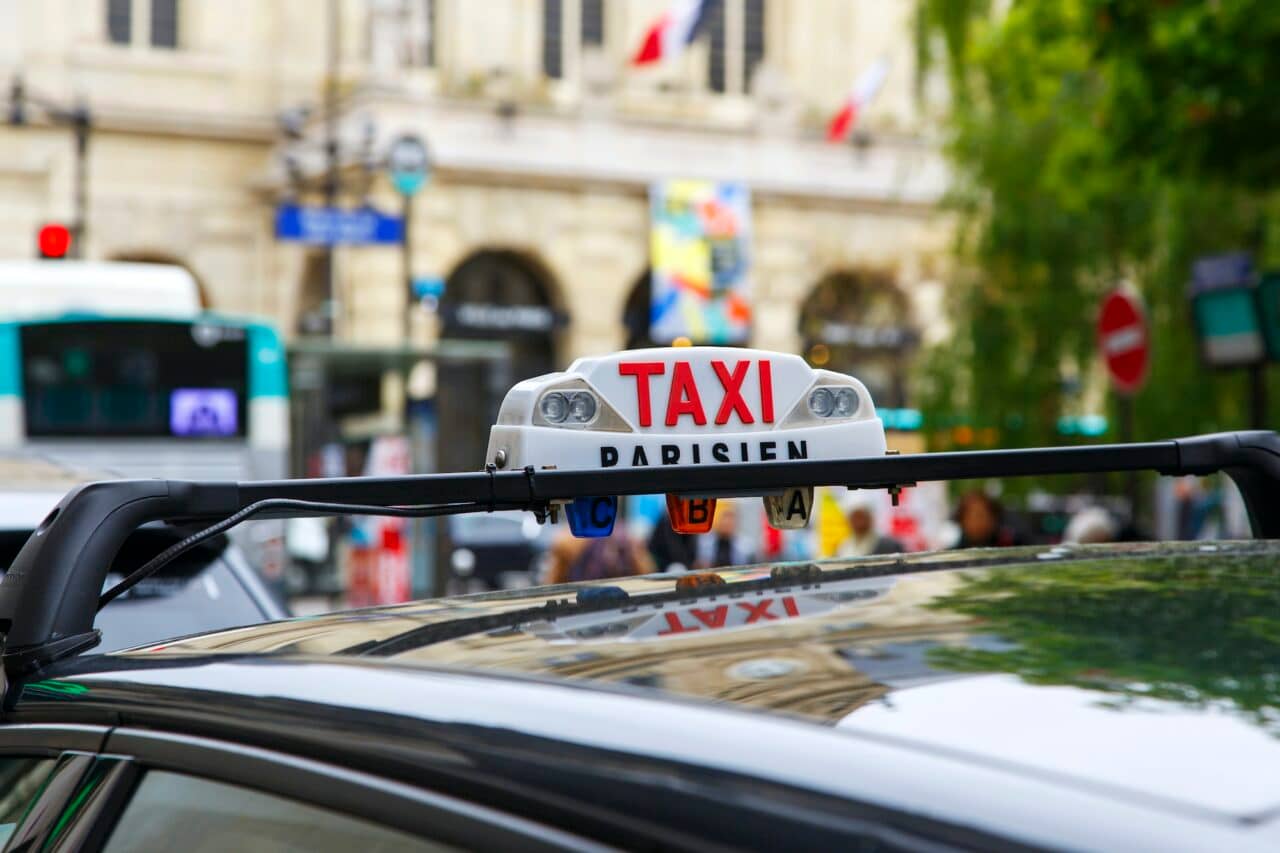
50 739
350 792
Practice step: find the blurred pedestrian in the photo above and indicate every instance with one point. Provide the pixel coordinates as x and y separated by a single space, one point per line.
860 510
672 552
723 546
1199 511
982 522
614 556
1091 525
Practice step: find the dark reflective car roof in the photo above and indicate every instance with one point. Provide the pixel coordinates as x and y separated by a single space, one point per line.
1147 669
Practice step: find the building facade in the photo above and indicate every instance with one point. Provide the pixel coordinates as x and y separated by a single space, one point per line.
544 143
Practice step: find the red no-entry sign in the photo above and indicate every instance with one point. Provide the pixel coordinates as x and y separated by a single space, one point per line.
1123 339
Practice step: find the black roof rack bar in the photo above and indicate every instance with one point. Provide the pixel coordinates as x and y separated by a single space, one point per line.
49 597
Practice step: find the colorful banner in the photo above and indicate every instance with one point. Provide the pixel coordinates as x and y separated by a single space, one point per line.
701 259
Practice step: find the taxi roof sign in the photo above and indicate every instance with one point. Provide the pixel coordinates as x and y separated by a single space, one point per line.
681 407
686 407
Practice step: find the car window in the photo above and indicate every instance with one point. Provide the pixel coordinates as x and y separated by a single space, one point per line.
172 811
504 527
21 781
197 592
167 606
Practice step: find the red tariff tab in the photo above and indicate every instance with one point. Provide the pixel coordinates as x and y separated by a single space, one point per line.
691 515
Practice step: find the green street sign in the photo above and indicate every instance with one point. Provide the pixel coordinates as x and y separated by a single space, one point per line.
1268 299
1228 326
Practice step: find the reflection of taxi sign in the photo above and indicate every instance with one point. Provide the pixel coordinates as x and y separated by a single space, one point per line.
712 615
688 407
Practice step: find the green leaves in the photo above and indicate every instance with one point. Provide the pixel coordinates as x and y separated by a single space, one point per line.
1096 142
1188 629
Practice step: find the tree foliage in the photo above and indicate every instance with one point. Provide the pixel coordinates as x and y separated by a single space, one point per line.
1096 142
1185 629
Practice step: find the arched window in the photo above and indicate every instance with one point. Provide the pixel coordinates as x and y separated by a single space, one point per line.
635 314
495 295
859 322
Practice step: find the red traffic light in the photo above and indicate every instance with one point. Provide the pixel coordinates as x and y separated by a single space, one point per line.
54 241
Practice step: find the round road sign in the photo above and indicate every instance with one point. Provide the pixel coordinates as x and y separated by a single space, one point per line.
1123 340
408 164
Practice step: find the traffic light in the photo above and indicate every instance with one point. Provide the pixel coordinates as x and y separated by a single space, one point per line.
54 241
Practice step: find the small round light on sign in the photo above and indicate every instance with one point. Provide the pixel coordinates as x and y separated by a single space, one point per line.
582 407
822 402
554 407
846 403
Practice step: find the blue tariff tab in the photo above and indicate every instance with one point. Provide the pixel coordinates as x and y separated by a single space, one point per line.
592 518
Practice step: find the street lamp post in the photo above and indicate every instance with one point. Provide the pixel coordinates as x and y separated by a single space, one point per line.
332 165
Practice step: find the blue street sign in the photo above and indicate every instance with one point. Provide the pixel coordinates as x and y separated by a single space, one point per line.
331 225
592 518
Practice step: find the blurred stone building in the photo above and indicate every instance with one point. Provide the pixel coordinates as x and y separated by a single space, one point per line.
544 142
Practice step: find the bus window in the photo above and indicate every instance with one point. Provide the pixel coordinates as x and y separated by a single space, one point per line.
134 379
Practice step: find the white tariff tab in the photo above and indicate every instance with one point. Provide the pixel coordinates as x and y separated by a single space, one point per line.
791 509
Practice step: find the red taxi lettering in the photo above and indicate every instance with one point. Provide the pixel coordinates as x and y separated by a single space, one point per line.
718 617
766 390
711 618
756 612
642 370
675 626
732 384
684 399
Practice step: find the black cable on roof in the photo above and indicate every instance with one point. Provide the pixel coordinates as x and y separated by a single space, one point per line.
317 507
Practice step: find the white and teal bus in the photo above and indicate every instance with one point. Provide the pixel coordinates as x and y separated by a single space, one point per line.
115 367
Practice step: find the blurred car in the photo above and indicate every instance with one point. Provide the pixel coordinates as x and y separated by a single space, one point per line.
208 588
497 550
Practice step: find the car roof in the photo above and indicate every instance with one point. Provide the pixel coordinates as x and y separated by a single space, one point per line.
1101 667
31 485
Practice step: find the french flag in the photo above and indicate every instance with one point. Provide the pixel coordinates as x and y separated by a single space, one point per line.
674 31
864 90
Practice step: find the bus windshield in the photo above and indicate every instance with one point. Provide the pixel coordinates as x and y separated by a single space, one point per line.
134 379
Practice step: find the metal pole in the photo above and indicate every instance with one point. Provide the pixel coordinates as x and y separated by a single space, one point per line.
331 158
406 256
81 122
1258 396
1124 408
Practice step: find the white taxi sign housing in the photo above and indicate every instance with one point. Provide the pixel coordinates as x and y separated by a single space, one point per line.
684 406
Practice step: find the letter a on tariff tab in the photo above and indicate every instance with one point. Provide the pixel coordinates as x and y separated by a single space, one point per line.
791 509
